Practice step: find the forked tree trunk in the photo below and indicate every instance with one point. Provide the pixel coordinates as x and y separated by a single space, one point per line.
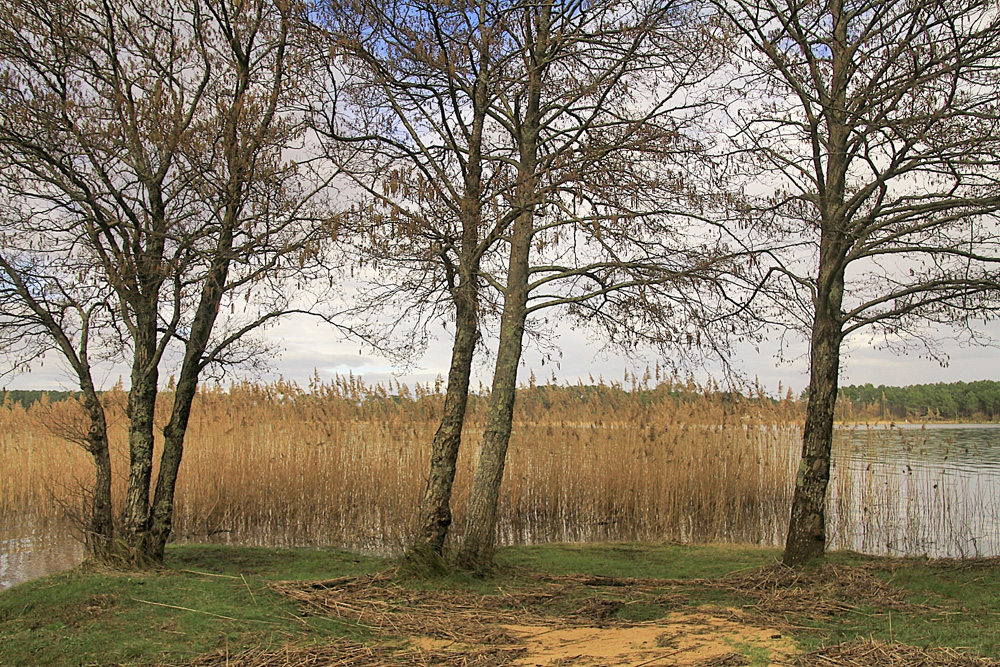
435 515
806 540
479 543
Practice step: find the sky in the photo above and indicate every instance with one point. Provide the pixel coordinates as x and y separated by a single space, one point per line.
307 352
307 348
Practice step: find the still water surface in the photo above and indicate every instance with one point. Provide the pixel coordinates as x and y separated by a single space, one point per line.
917 490
29 551
902 490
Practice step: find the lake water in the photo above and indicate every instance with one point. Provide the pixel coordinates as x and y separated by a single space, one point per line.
30 551
903 490
929 490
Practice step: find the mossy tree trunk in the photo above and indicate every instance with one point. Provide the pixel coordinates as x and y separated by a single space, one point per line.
141 411
99 515
479 542
435 516
806 539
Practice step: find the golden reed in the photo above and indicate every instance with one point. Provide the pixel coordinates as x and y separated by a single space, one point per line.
344 463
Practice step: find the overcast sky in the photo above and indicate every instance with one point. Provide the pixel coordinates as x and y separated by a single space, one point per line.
308 347
305 351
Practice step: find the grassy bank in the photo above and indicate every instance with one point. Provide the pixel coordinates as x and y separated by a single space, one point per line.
221 605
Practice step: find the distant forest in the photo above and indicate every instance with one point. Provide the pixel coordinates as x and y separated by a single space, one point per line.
28 396
960 401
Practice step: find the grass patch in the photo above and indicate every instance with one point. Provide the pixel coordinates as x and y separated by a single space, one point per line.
644 561
219 600
208 598
962 600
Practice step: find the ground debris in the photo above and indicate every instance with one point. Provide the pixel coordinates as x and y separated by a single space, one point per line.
344 653
542 621
380 603
778 591
726 660
870 653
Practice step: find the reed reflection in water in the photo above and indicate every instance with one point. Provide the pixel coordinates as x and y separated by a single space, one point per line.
28 552
911 490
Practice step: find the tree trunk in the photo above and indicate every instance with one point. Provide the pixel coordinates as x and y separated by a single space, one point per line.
435 506
481 518
141 411
99 537
434 515
162 511
806 540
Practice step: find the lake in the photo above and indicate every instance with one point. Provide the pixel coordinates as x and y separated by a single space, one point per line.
903 490
29 551
910 489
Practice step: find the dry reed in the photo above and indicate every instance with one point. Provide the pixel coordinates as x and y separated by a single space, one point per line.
344 463
870 653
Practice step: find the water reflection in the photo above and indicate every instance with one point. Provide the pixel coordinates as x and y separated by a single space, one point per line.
29 551
917 490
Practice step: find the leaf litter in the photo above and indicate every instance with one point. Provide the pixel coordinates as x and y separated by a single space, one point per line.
574 620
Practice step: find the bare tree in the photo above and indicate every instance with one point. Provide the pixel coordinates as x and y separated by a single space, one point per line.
600 111
872 129
491 156
408 119
147 186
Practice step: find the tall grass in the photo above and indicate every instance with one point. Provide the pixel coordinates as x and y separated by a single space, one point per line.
344 463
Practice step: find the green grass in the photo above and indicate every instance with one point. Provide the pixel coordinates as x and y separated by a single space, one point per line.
215 599
654 561
208 599
963 601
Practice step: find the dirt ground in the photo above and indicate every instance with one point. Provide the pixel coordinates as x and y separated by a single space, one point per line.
679 639
584 621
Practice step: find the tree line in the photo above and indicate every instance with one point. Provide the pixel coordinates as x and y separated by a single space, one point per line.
175 175
961 401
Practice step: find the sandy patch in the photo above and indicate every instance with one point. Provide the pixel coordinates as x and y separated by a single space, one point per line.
680 639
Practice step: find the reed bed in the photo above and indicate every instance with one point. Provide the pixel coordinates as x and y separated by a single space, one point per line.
344 463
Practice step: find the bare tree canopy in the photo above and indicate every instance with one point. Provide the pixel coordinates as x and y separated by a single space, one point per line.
872 129
150 203
515 158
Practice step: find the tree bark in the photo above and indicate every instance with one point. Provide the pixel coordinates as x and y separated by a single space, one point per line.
162 510
99 539
479 543
435 507
481 517
141 411
806 539
434 513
